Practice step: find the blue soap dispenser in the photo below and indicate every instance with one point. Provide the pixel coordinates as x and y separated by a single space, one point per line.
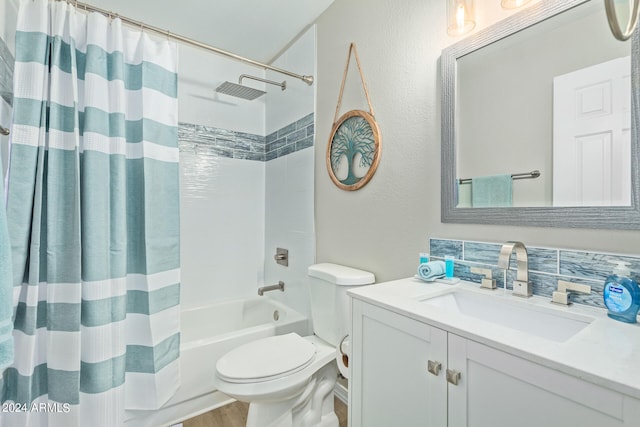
622 294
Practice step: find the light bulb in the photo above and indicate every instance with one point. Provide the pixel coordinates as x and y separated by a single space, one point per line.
460 17
513 4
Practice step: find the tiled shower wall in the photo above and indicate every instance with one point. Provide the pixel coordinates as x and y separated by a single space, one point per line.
6 99
6 74
546 266
239 145
227 224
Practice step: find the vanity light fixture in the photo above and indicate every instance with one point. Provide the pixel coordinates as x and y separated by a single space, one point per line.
461 17
513 4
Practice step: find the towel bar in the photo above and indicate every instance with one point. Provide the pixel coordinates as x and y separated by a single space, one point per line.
4 131
525 175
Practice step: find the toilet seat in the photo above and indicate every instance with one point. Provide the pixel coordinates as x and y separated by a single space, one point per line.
285 386
266 359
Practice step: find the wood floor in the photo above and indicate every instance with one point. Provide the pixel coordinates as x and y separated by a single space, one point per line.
235 415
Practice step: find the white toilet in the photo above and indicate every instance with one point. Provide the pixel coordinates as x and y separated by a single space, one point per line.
288 380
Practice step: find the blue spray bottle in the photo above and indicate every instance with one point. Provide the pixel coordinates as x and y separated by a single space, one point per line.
622 294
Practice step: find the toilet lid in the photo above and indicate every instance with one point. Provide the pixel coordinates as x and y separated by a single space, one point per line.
266 359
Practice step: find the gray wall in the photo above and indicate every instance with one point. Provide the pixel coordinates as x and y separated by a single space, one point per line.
383 226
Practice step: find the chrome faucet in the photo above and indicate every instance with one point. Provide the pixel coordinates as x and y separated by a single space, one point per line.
521 286
278 287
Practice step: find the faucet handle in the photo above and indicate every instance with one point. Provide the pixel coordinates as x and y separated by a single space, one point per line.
487 282
564 286
561 296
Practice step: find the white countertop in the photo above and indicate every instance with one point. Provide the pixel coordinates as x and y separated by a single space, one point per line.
606 352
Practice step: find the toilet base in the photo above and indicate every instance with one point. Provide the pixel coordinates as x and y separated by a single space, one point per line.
313 407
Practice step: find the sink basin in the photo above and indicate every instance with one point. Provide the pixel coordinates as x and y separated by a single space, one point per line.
554 325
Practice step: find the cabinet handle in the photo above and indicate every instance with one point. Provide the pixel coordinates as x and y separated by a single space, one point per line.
434 367
453 377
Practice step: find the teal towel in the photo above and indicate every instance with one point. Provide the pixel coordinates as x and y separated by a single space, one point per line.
6 289
432 270
492 191
464 195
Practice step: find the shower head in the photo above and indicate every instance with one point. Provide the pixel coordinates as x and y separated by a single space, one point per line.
246 92
239 91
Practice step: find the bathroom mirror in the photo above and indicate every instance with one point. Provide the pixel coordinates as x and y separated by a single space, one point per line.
498 119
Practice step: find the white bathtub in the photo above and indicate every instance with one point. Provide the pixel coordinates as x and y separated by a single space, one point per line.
208 333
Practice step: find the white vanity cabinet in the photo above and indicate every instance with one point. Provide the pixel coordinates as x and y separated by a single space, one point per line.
391 384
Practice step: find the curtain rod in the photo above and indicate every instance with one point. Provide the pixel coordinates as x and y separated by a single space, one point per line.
186 40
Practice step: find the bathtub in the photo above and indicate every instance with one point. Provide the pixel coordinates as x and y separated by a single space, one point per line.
208 333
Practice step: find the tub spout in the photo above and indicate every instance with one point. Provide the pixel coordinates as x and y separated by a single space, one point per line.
279 286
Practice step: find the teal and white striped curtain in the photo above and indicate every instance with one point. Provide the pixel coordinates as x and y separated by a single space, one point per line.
93 214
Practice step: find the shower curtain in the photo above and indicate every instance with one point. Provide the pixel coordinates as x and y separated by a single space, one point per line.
93 215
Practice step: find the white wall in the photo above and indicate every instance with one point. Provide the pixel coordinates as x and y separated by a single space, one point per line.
383 226
289 180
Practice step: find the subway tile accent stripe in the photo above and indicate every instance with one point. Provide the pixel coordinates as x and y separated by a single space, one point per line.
6 73
218 142
291 138
546 266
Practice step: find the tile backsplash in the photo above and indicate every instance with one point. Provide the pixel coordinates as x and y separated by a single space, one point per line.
546 266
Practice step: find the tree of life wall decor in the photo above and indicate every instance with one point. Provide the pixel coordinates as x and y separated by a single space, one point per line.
355 143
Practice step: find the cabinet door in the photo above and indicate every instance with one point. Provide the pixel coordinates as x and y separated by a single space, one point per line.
501 390
390 384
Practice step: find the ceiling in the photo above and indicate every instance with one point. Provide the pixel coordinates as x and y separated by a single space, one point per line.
256 29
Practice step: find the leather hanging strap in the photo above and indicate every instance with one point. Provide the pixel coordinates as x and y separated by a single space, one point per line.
352 48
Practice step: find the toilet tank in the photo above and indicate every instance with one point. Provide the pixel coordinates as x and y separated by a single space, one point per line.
330 308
